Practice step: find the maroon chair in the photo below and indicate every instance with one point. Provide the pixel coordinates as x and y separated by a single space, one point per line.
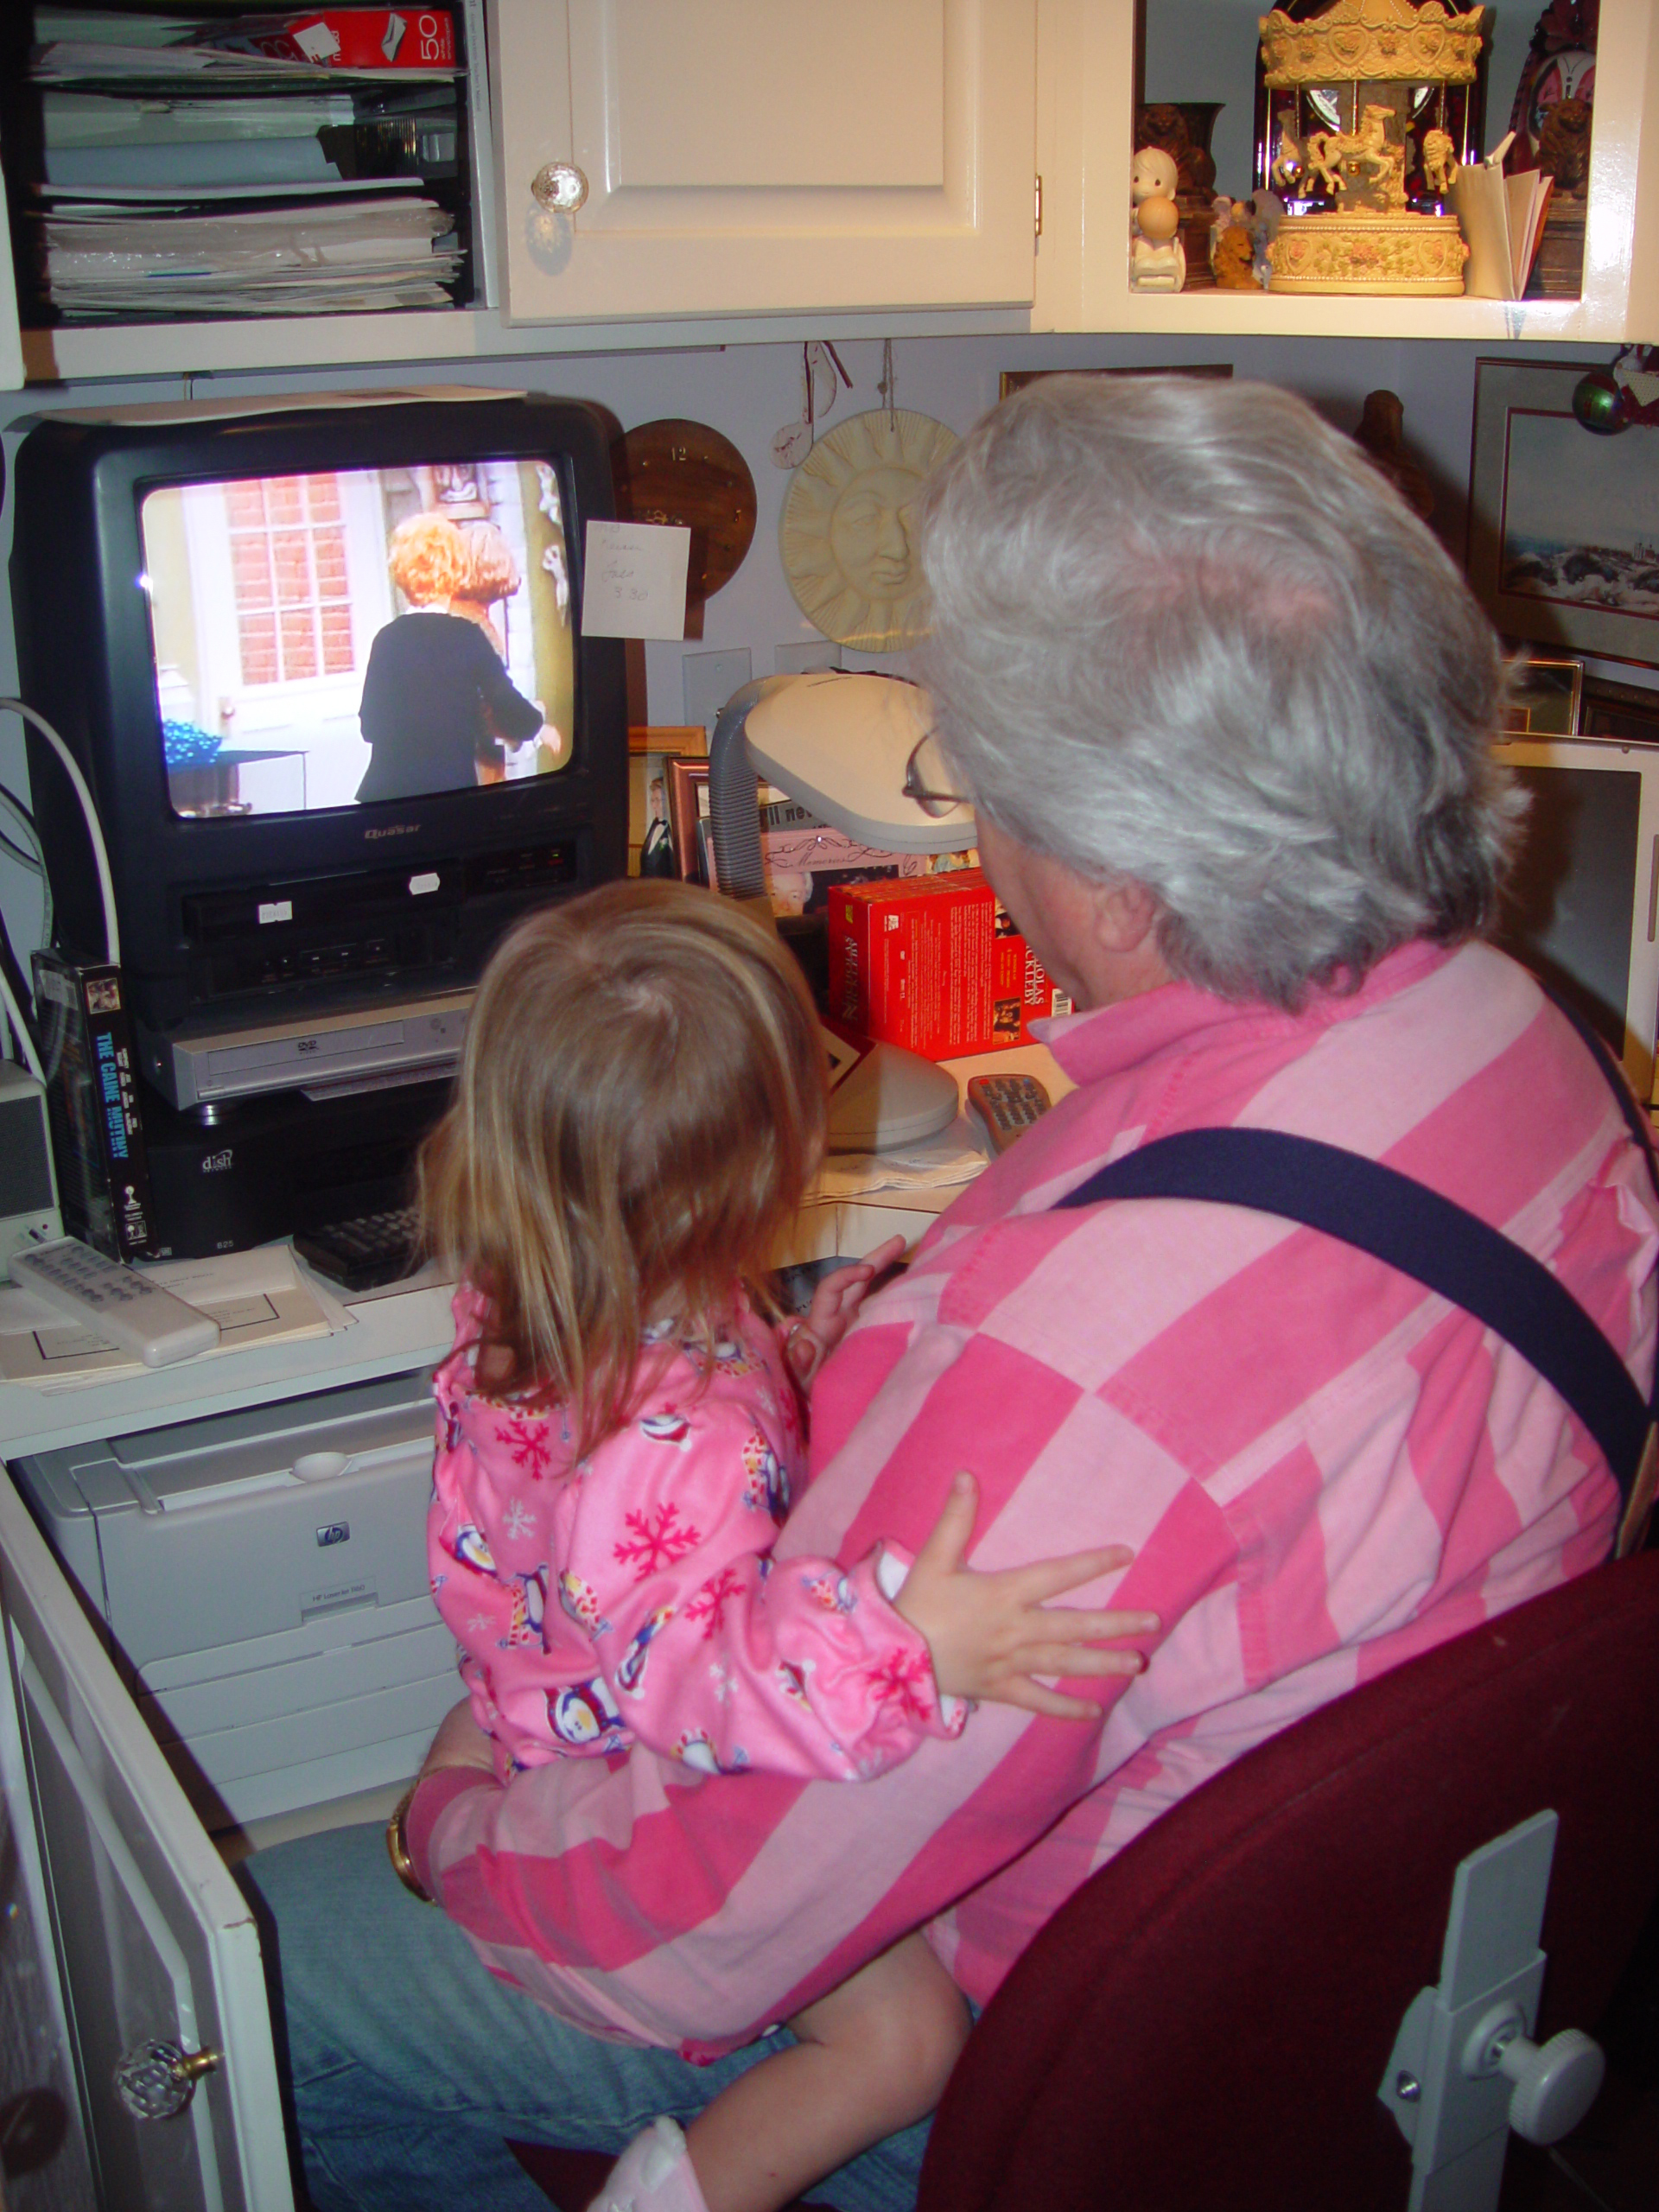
1207 2021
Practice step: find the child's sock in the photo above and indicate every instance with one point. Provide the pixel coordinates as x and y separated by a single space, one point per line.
654 2174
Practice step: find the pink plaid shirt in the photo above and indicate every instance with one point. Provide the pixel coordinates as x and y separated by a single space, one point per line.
1324 1470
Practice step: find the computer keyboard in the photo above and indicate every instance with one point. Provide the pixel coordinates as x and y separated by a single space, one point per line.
363 1253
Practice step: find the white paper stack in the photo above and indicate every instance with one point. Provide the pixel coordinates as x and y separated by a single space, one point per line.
259 254
188 180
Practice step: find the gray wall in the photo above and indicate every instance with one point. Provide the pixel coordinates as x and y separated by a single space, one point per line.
750 391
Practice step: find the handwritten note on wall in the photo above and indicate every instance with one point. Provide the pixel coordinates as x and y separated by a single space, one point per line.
634 584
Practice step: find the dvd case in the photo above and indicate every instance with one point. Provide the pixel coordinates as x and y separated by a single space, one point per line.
91 1097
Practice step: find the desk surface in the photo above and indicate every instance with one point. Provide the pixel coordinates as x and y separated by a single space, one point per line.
412 1328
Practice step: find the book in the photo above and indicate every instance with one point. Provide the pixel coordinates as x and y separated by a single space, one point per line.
935 964
1502 219
91 1077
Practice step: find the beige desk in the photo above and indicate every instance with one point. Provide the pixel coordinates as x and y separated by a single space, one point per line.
849 1226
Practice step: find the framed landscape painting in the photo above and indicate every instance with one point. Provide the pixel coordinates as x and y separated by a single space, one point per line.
1563 525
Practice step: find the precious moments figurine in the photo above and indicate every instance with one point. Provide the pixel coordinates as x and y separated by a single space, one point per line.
1157 259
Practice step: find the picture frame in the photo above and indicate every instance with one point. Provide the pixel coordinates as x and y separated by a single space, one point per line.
1546 697
1563 540
1017 379
800 856
688 810
650 750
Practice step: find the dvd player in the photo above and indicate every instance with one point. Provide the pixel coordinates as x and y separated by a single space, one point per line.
208 1061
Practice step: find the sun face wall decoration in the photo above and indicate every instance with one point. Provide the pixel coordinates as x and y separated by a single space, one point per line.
845 538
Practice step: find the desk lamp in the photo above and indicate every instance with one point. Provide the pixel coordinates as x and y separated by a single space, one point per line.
839 744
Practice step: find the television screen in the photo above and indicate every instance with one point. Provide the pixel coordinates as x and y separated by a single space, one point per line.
358 635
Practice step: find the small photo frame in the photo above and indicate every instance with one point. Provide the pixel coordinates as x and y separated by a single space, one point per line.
650 828
801 857
1563 525
688 816
1545 698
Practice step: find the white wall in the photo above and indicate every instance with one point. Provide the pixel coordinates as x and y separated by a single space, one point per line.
748 392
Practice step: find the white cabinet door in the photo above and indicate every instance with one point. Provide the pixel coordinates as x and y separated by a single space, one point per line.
744 156
154 1942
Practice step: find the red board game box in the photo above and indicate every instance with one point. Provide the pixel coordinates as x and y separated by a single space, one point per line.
345 38
934 964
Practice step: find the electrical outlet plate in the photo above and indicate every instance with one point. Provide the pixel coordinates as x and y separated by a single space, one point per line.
710 680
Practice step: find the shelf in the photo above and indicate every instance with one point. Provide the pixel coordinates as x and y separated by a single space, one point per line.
1085 131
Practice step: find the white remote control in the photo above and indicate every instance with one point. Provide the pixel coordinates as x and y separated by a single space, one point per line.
114 1301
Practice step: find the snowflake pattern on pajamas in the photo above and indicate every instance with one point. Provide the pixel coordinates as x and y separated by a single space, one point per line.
657 1548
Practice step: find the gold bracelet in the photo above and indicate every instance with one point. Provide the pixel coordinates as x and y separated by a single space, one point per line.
397 1846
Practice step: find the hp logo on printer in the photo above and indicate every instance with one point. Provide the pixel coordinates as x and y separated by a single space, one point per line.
336 1532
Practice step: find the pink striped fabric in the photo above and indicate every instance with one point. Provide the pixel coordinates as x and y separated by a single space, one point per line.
1323 1471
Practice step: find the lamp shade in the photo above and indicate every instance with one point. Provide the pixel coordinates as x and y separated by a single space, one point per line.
840 743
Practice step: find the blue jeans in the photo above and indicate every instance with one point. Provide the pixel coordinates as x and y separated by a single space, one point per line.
412 2067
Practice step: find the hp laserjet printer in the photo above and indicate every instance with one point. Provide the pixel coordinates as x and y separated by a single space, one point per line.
262 1578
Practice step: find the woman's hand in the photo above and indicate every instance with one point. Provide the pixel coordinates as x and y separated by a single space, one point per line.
991 1634
834 1309
459 1742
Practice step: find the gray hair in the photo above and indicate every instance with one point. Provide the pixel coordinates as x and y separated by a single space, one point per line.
1183 634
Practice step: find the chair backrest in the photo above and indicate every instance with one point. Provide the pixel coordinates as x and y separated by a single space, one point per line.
1206 2022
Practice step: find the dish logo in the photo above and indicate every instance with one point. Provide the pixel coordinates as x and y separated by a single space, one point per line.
216 1163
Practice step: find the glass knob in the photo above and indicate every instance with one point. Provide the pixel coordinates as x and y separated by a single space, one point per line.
559 186
156 2079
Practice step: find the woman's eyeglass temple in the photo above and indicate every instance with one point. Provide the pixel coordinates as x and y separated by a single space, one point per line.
929 781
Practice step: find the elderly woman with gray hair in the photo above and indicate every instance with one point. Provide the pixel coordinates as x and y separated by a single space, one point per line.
1225 708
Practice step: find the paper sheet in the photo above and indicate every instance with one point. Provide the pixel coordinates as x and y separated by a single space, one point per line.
942 1163
633 582
256 1297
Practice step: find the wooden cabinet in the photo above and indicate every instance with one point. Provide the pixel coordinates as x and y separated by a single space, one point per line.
756 171
748 159
122 1890
1085 116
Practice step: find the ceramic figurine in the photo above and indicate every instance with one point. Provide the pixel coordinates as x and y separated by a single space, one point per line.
1235 256
1441 164
1157 258
1350 226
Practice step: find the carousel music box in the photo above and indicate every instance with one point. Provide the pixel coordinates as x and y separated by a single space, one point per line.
1367 111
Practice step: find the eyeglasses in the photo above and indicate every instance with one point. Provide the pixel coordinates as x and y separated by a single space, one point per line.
929 781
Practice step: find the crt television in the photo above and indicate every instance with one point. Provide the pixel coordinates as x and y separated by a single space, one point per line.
324 669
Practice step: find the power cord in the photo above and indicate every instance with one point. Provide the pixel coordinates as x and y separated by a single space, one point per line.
13 989
94 828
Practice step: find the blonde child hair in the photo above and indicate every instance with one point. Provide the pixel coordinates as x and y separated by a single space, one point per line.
427 557
640 1106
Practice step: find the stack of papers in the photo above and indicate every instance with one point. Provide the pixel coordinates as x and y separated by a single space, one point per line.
188 178
256 1297
256 252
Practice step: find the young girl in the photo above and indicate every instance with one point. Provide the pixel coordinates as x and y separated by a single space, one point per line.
639 1111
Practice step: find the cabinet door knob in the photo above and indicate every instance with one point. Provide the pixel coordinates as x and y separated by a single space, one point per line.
156 2079
559 186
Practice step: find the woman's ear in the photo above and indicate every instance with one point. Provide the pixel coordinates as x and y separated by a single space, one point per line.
1125 915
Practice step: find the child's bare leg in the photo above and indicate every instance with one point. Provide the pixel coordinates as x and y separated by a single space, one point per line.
873 2056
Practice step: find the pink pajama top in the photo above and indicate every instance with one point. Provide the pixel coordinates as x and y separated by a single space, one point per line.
631 1596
